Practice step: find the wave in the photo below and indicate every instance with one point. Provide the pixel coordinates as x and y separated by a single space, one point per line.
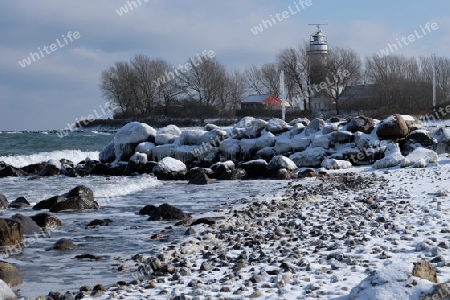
75 156
107 193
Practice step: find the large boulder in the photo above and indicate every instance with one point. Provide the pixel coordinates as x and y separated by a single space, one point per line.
166 212
276 126
47 221
254 168
280 162
79 198
167 135
33 169
139 158
250 146
254 128
393 127
311 157
221 168
314 127
52 168
10 233
199 177
335 164
170 169
300 143
129 136
230 148
361 123
27 224
20 202
266 153
107 155
412 122
419 158
9 274
418 138
192 137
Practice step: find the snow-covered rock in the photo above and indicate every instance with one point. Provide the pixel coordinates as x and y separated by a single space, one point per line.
159 152
300 143
209 127
335 164
187 154
303 121
107 154
394 281
170 168
392 157
297 128
281 162
315 126
412 122
129 136
393 127
254 129
52 168
276 126
250 146
321 141
255 168
282 146
145 147
139 158
164 138
361 123
266 153
5 291
418 138
230 148
341 137
192 137
329 129
170 129
311 157
214 137
443 137
419 158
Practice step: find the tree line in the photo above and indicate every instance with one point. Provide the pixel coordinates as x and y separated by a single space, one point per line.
202 87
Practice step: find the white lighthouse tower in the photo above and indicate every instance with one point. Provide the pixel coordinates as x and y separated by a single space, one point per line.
317 56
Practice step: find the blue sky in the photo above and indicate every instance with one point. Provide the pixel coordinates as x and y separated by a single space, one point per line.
63 85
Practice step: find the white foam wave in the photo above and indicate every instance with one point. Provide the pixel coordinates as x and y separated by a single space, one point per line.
76 156
120 186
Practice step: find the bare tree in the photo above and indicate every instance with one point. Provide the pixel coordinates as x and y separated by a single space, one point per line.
344 69
264 79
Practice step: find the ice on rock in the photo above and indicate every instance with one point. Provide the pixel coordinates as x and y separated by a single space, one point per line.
282 146
139 158
230 148
128 136
167 135
159 152
250 146
145 147
185 153
170 129
254 129
214 137
392 157
276 126
281 162
107 154
321 141
300 143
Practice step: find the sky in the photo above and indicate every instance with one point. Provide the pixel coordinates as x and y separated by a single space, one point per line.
62 85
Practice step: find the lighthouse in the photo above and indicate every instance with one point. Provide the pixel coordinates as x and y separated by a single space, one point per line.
317 57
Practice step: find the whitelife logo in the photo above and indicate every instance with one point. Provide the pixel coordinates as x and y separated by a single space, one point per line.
48 50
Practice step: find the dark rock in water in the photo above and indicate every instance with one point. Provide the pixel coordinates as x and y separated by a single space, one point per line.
105 169
418 138
48 203
170 169
393 127
207 221
64 244
33 169
190 231
361 123
81 191
46 220
236 174
20 202
81 197
88 256
8 170
133 167
147 210
166 212
74 203
98 222
10 232
199 177
3 202
9 274
254 168
27 224
52 168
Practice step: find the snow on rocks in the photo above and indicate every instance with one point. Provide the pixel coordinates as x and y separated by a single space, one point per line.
129 136
419 158
393 127
170 168
392 157
362 124
254 128
395 281
311 157
139 158
281 162
145 147
418 138
315 126
276 126
335 164
443 138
